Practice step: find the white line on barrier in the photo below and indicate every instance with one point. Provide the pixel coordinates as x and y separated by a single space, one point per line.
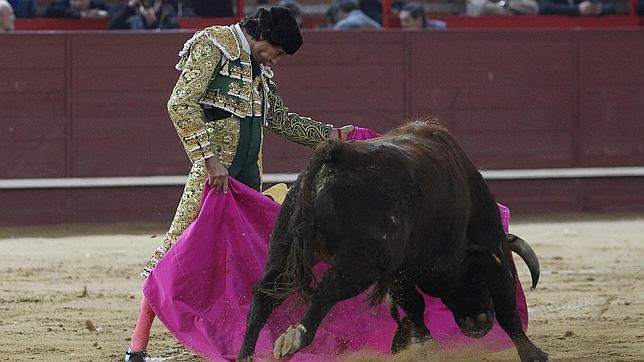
98 182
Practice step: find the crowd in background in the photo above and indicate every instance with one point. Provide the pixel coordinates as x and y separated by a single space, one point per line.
413 14
130 14
339 14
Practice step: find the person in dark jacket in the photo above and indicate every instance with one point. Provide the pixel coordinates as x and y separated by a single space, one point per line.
77 9
24 8
372 8
349 16
144 15
213 9
412 17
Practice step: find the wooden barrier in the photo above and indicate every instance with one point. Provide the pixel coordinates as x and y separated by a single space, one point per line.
92 104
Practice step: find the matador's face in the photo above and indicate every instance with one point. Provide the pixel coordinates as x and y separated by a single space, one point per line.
266 53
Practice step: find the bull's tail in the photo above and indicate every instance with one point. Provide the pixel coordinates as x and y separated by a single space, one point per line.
302 223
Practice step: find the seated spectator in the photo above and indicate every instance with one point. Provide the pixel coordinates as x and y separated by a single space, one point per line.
412 17
295 9
213 8
77 9
24 8
576 7
7 19
144 15
502 7
349 16
372 8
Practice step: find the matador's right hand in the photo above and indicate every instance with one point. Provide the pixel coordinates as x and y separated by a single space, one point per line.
217 174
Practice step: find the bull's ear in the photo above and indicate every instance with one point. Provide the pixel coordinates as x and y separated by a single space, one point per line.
476 249
482 256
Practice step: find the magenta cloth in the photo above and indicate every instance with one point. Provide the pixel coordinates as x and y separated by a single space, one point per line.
359 133
201 290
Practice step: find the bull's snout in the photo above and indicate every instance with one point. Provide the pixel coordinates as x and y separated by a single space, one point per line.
476 326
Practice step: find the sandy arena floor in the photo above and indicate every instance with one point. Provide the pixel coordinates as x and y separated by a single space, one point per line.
72 293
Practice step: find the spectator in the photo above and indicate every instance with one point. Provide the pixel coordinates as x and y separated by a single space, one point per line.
640 7
6 17
77 9
502 7
349 16
412 16
372 8
295 9
213 8
576 7
144 15
24 8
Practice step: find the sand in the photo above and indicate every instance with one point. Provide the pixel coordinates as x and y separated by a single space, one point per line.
71 293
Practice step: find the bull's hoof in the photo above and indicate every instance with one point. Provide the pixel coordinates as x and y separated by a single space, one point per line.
289 342
538 359
409 335
420 340
478 326
244 359
402 337
535 356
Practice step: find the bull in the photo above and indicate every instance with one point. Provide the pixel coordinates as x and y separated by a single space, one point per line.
404 212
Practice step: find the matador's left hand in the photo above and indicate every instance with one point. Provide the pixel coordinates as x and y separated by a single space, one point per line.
341 132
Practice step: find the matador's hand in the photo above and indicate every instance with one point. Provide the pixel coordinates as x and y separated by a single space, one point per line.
217 174
341 132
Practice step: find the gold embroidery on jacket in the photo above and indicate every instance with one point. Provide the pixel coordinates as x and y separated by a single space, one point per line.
257 97
231 87
224 133
186 213
183 106
279 120
225 38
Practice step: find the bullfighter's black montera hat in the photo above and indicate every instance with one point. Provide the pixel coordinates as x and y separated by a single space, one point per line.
280 28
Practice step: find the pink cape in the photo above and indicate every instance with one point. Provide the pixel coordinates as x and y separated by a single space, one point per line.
201 289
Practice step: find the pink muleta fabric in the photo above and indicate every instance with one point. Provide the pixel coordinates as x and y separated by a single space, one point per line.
201 289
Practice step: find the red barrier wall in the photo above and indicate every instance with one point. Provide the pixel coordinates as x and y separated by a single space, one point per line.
92 104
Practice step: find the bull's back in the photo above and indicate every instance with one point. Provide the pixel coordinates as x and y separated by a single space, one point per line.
399 191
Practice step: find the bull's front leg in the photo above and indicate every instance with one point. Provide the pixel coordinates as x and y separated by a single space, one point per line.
411 329
501 285
348 278
264 301
261 308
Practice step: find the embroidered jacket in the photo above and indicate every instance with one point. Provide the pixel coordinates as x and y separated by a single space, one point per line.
216 72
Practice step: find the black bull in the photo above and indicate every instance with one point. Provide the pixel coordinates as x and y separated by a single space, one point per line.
404 212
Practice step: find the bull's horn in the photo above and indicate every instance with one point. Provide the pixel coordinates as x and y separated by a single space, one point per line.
526 253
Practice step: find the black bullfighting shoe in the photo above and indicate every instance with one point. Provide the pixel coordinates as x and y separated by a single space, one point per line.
131 356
